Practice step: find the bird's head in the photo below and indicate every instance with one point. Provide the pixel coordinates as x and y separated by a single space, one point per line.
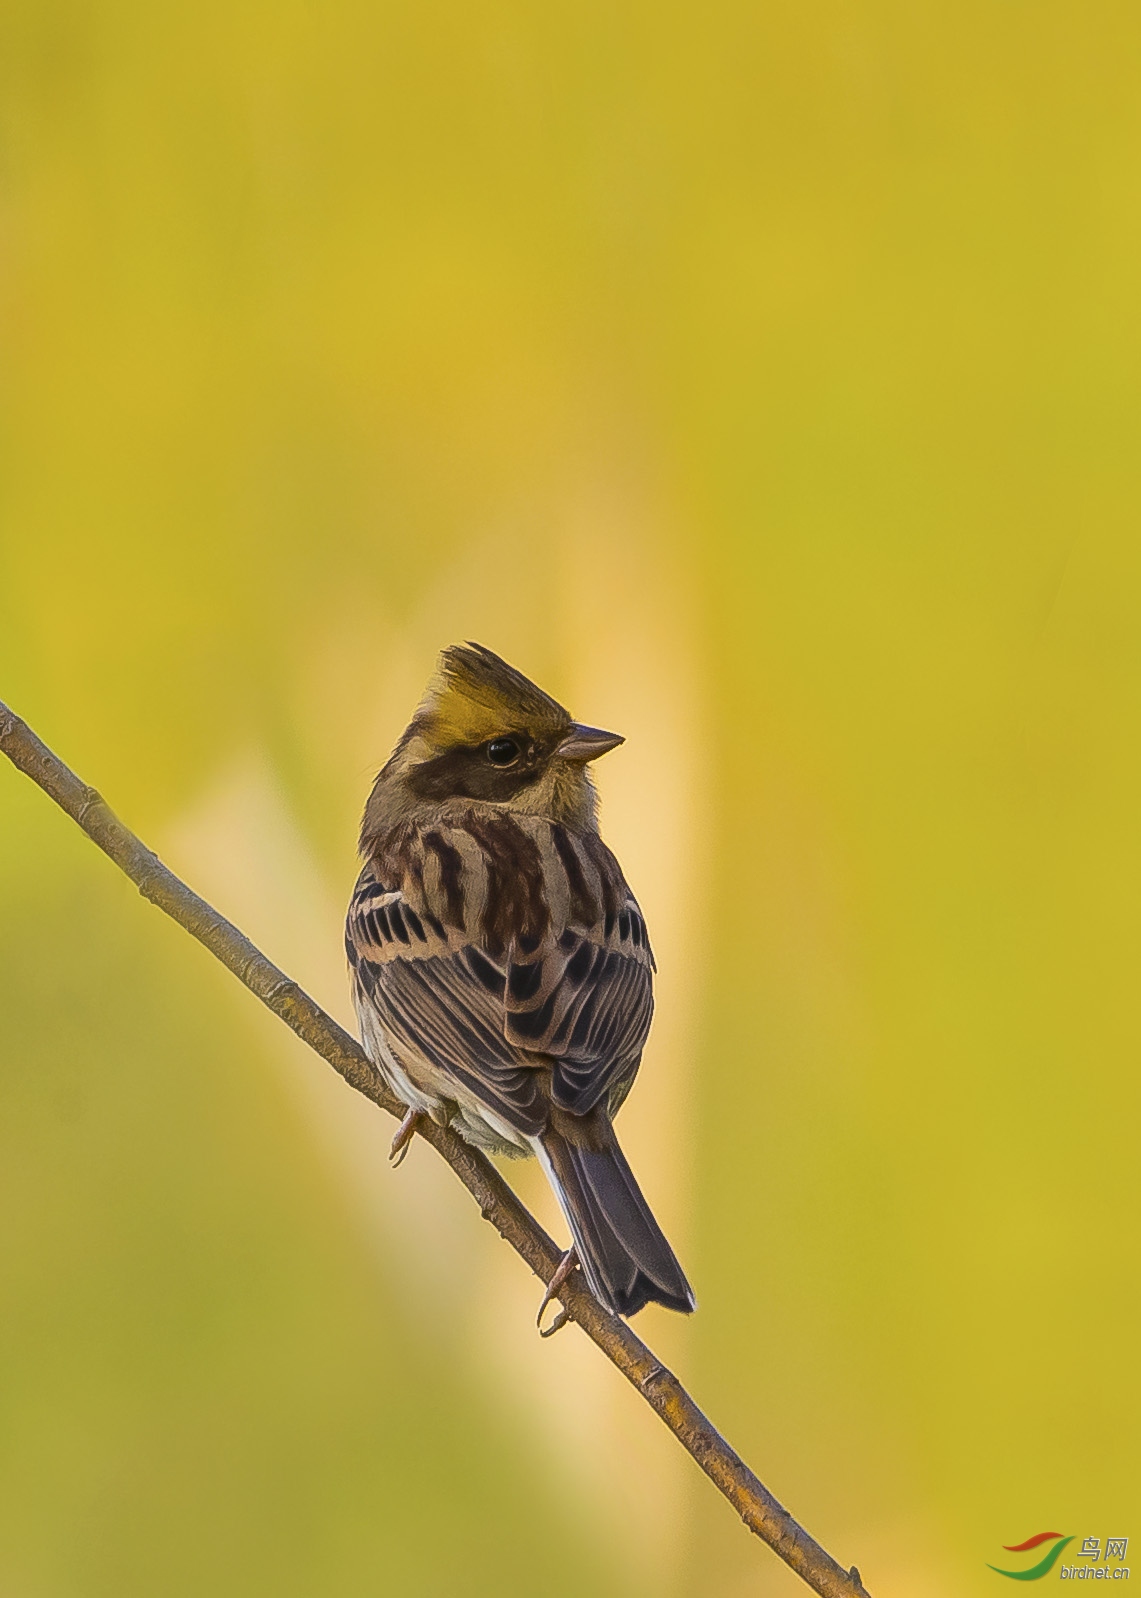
483 732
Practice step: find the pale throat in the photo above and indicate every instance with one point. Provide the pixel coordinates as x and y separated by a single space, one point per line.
564 793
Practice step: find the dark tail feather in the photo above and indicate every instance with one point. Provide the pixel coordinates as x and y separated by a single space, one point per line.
620 1246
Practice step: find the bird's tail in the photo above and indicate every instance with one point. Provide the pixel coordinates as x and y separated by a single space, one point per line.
620 1246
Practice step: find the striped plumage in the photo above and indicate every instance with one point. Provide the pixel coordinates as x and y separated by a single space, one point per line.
501 969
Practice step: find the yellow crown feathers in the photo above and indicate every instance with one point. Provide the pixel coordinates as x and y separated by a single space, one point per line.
474 695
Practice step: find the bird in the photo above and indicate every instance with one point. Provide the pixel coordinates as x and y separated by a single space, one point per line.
500 966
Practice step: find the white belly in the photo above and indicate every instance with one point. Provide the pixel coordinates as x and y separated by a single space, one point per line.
419 1085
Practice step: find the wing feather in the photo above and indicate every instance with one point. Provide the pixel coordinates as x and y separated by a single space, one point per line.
549 1011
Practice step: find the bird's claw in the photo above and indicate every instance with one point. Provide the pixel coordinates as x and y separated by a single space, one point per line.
405 1132
565 1266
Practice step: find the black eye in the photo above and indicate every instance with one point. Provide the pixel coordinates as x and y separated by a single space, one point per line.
503 751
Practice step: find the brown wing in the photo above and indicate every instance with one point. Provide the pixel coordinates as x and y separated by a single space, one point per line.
444 1005
584 1000
509 946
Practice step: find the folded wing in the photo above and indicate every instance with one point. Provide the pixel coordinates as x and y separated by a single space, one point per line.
563 1016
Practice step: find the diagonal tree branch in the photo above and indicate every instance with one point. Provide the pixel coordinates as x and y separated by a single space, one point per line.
660 1388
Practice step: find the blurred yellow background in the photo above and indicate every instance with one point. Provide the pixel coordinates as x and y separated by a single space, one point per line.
764 381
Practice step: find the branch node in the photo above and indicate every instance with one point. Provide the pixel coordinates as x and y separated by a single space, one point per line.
145 878
91 798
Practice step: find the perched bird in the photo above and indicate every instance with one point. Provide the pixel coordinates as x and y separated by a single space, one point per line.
501 970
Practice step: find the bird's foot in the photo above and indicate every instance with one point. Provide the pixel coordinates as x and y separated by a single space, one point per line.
405 1132
565 1266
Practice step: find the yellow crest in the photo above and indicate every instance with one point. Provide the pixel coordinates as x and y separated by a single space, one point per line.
475 695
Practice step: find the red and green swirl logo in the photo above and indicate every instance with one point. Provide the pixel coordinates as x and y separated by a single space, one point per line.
1044 1566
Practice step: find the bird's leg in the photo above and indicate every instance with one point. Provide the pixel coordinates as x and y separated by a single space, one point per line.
405 1132
565 1266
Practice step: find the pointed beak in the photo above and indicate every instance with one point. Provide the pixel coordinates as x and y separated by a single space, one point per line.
587 743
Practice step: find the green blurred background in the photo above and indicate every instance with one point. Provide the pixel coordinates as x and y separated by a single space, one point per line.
765 381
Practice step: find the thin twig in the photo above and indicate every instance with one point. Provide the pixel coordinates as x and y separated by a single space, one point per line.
660 1388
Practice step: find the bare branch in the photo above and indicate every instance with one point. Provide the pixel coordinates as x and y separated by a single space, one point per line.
660 1388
